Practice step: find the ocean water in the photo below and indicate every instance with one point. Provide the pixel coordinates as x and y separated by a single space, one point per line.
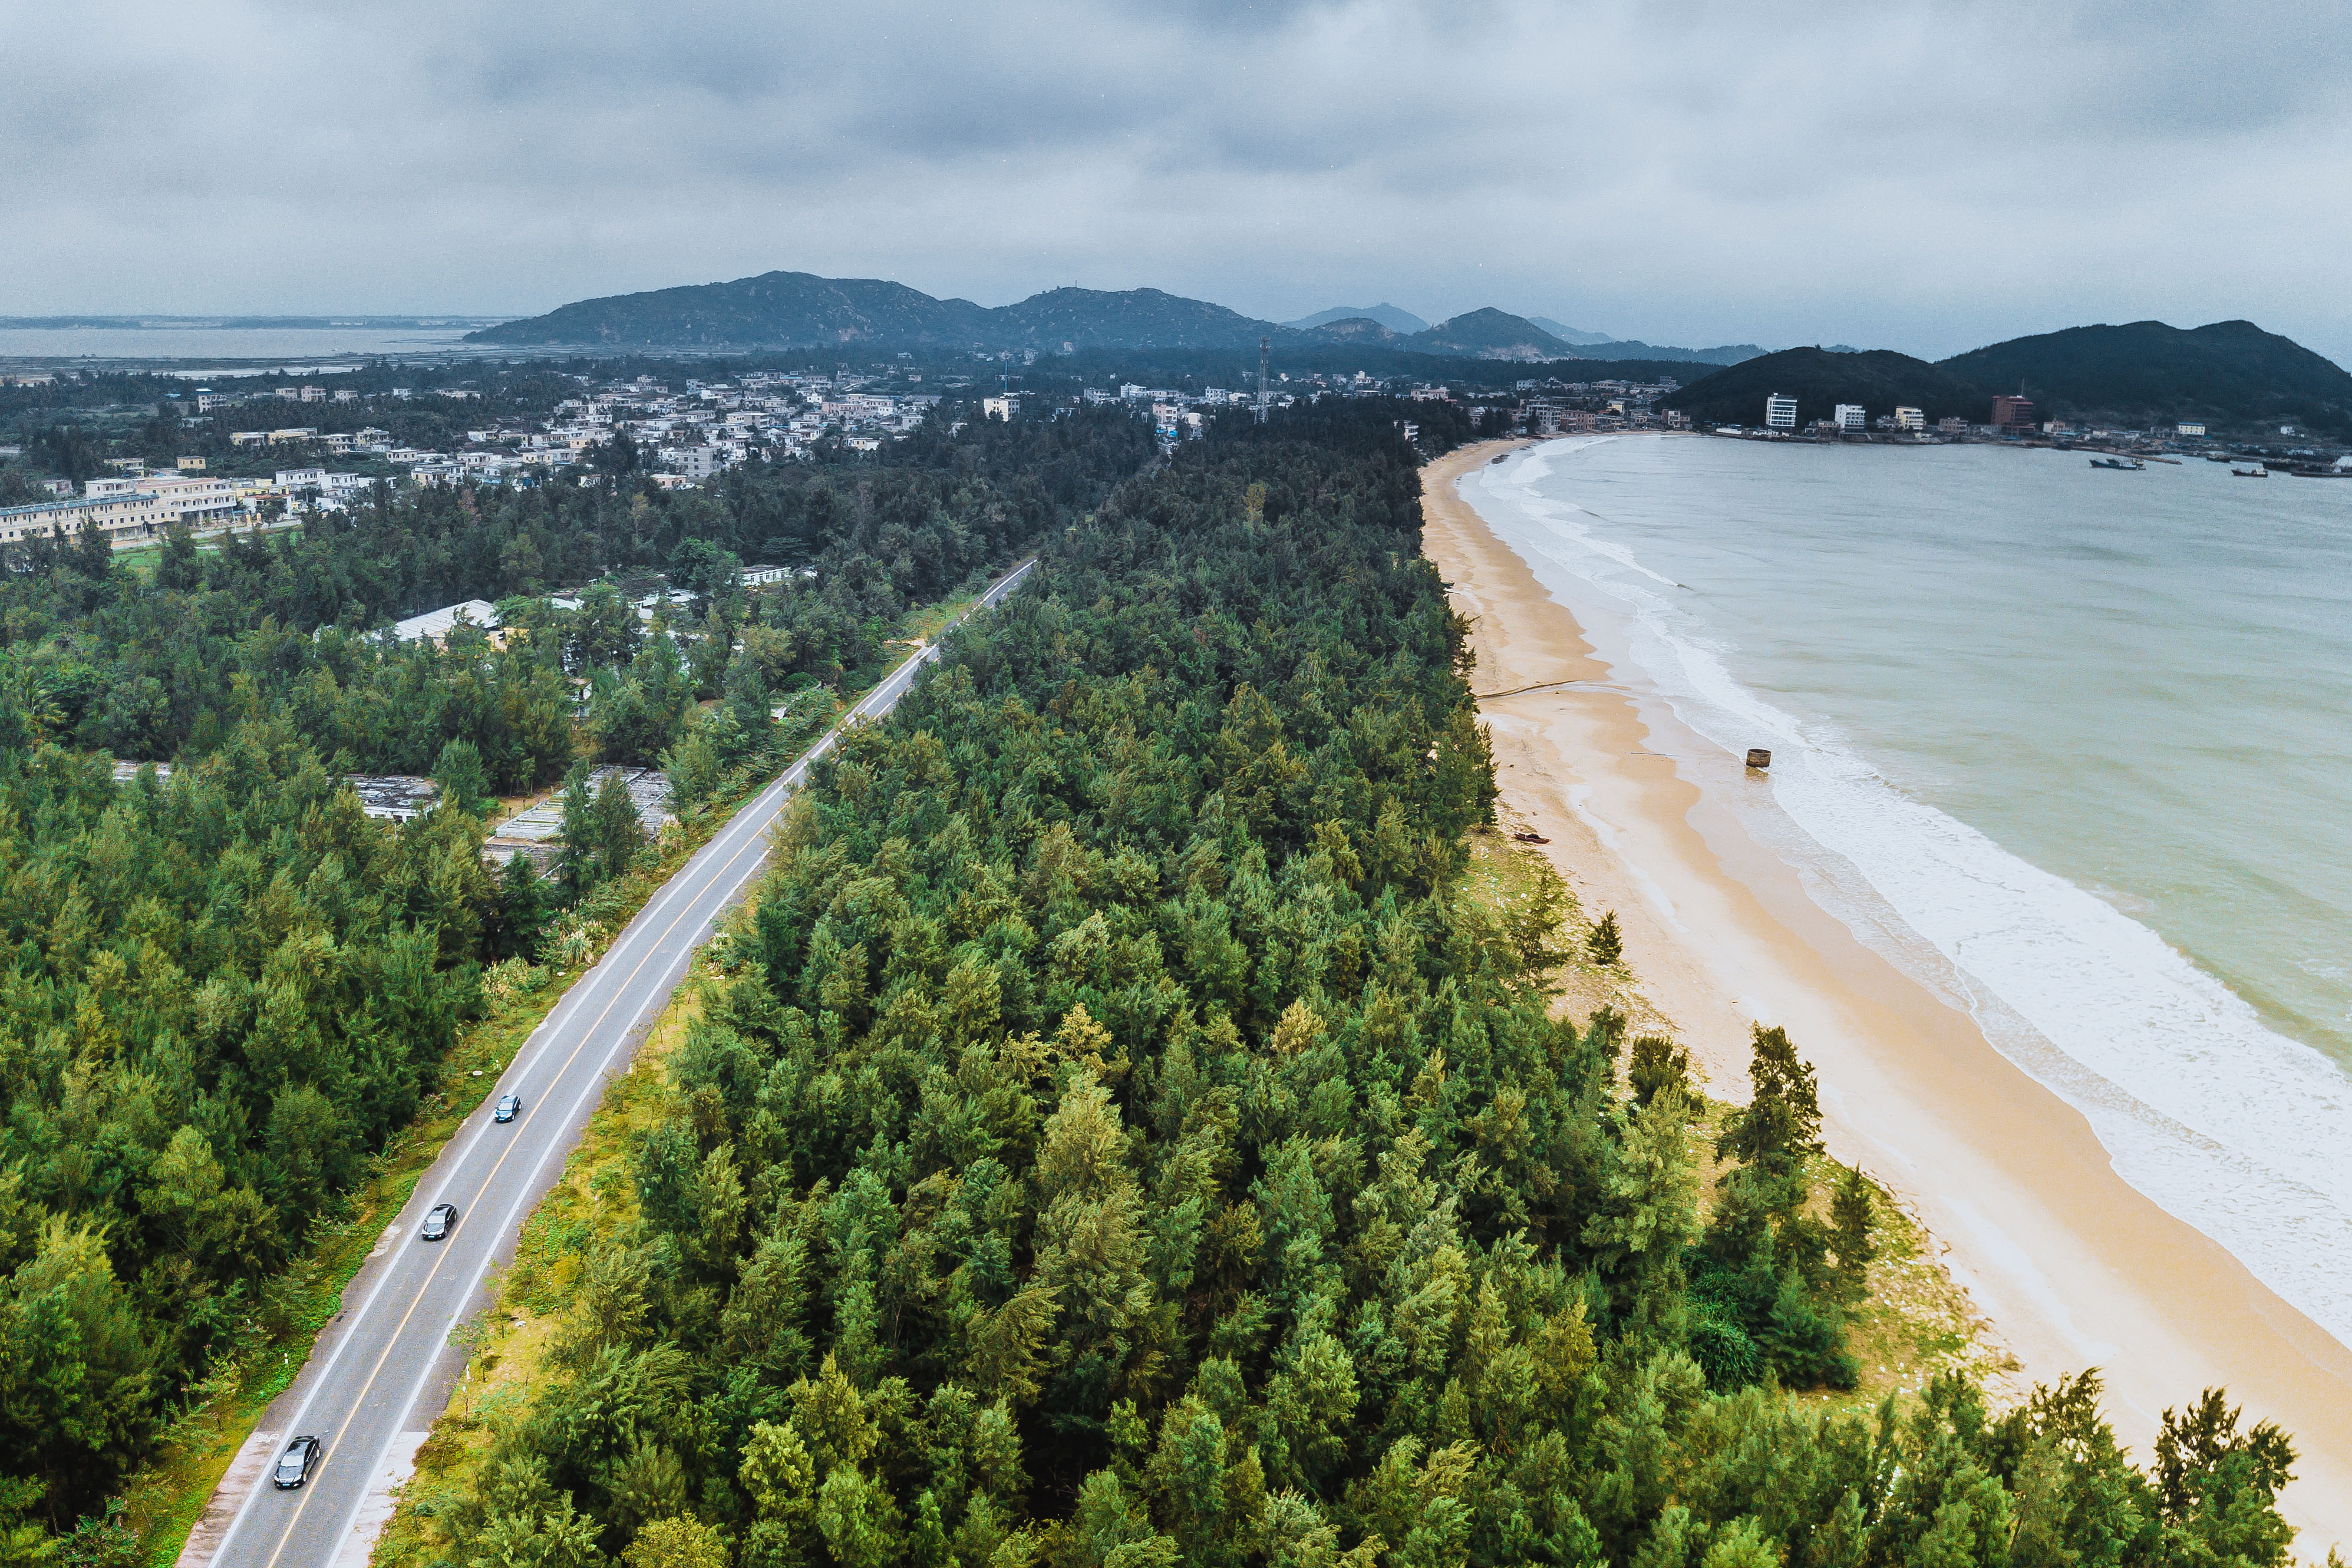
227 344
2073 747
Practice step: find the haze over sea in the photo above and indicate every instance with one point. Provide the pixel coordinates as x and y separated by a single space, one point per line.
208 345
2073 747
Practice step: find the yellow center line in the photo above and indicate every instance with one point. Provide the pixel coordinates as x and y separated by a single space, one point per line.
393 1343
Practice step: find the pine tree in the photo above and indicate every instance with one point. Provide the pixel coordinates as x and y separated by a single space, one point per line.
1656 1064
465 783
1849 1234
1605 944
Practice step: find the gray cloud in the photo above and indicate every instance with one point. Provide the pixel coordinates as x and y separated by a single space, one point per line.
1924 178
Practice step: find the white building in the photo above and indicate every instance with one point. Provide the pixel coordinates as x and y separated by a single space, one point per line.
126 516
435 624
697 462
1779 413
2191 427
1853 418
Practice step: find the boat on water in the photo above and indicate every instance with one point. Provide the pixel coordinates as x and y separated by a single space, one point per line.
2129 465
2219 458
2256 471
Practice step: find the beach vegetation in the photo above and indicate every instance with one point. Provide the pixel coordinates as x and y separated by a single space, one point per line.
1654 1063
1606 944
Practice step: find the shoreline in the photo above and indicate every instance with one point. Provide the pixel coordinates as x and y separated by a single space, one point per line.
2072 1266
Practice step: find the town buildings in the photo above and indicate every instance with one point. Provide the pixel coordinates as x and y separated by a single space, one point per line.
125 510
1779 413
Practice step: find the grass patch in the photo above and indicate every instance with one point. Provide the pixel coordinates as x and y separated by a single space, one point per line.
1515 880
1916 1322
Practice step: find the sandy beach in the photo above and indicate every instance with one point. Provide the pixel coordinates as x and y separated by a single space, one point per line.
2074 1268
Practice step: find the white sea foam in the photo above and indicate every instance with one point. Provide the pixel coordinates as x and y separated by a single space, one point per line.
2236 1129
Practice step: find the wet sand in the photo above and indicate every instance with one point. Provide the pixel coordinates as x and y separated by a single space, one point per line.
2074 1268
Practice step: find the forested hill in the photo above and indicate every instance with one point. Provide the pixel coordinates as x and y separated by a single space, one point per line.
1880 380
1126 1137
798 308
227 991
775 307
2230 373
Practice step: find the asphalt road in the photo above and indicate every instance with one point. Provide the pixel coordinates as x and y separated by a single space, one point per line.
381 1371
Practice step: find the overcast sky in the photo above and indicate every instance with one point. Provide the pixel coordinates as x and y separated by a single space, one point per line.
1898 175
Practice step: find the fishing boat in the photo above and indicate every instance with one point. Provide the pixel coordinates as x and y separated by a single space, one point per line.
2256 471
2129 465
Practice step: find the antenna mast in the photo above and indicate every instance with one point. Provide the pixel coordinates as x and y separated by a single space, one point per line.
1262 344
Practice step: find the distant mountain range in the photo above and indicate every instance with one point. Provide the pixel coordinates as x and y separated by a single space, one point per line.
1571 334
1405 323
800 309
2231 375
1389 316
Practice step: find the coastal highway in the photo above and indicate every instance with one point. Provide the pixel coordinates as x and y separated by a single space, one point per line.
382 1371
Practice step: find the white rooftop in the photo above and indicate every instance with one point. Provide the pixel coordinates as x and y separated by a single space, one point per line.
438 624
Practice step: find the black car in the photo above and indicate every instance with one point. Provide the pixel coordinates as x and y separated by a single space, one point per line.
294 1463
509 1107
438 1221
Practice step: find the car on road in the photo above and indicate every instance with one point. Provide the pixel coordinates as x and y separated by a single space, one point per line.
509 1107
294 1466
438 1221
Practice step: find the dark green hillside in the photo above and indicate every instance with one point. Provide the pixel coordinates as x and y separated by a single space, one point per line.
774 308
1491 334
1137 318
798 308
1880 380
1395 318
1357 329
2229 373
